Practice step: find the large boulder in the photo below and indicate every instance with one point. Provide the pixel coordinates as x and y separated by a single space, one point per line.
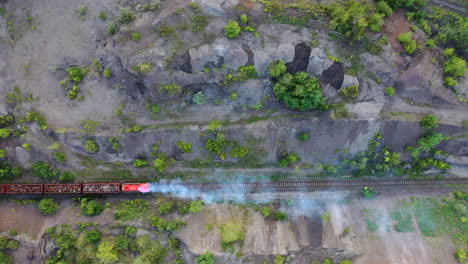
318 62
215 7
22 156
349 80
235 57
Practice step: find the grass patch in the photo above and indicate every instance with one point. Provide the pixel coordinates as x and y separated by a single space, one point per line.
131 209
402 219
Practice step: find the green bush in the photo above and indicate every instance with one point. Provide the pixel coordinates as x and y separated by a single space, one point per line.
288 159
214 125
90 207
93 236
429 122
125 16
165 30
281 216
390 91
6 120
409 44
44 170
60 157
303 136
172 88
265 211
430 43
460 255
130 230
5 258
131 209
102 15
90 146
384 8
239 152
231 232
199 23
48 206
67 176
160 164
325 217
139 163
350 92
112 28
327 261
206 258
368 193
297 91
346 262
375 22
233 96
195 206
144 67
166 207
107 73
12 244
199 98
184 146
76 74
232 29
7 171
89 125
279 259
454 66
430 141
450 82
244 18
136 36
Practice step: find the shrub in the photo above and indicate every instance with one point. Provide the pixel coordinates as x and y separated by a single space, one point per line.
430 141
7 171
350 18
239 152
102 15
390 91
327 261
166 207
460 255
231 232
450 82
368 193
67 176
13 232
206 258
90 207
429 122
90 146
125 16
44 170
265 211
153 108
233 96
199 23
409 44
107 73
325 217
199 98
89 125
130 230
185 146
172 88
48 206
195 206
136 36
6 120
303 136
375 22
12 244
82 10
297 91
350 92
76 74
4 133
160 164
214 125
430 43
455 66
138 163
281 216
279 259
383 8
165 30
5 258
93 236
60 157
144 67
346 262
288 160
112 28
232 29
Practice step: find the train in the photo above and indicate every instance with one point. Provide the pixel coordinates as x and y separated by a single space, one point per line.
74 188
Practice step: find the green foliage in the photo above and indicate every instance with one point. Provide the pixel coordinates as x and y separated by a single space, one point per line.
6 120
60 156
90 146
76 74
375 22
325 217
214 125
106 253
450 82
165 30
139 163
195 206
430 43
48 206
153 109
231 232
93 236
244 18
164 225
199 23
4 133
346 262
144 67
455 66
38 118
232 29
130 230
216 146
82 10
429 122
350 92
136 36
112 28
303 136
7 171
166 207
90 207
67 176
2 153
281 216
279 259
460 255
233 96
160 164
172 88
131 209
5 258
239 152
102 15
107 73
297 91
89 125
199 98
44 170
125 16
367 192
403 220
390 91
206 258
430 141
327 261
266 211
409 44
288 159
384 8
244 73
184 146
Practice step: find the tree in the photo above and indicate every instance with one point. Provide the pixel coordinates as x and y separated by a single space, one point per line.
303 136
199 98
4 133
7 171
368 193
376 22
185 146
281 216
88 206
139 163
232 29
60 156
125 16
429 122
460 255
239 152
93 236
384 8
67 176
350 18
455 66
90 146
48 206
160 164
106 253
430 141
206 258
5 258
390 91
44 170
409 44
76 74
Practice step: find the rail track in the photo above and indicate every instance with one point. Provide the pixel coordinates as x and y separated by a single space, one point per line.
449 6
308 185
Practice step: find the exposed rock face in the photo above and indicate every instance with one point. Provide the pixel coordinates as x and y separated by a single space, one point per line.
21 155
318 62
349 81
216 7
3 28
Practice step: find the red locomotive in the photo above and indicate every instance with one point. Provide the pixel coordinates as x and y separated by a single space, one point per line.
74 188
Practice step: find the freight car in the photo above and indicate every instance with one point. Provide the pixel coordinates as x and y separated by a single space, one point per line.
74 188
